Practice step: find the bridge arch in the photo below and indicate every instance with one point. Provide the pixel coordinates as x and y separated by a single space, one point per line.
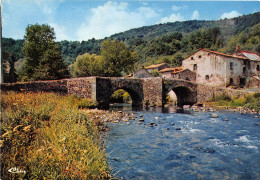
185 91
107 86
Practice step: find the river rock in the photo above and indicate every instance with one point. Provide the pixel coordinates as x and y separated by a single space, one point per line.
225 120
178 129
141 120
214 116
173 124
256 116
152 124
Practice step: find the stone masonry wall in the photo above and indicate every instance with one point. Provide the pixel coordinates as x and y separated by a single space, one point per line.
206 92
152 89
83 87
59 86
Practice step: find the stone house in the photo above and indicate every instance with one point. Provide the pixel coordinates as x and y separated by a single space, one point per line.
142 73
185 74
218 69
157 67
167 72
254 60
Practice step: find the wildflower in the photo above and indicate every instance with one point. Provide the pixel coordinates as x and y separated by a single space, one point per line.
15 170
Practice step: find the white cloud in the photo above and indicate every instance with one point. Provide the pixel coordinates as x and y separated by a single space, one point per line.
195 15
231 14
60 32
172 18
177 8
111 18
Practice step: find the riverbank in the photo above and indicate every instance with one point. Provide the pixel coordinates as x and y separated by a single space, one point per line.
47 136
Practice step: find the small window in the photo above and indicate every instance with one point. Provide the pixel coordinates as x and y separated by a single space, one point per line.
244 70
258 67
231 66
231 82
195 67
199 56
192 58
207 77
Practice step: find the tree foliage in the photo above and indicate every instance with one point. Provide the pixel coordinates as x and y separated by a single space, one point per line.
88 65
117 57
43 59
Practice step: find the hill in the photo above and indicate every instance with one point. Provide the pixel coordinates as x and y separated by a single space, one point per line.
170 41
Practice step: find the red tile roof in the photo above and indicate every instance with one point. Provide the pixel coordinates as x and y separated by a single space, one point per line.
170 69
218 53
154 66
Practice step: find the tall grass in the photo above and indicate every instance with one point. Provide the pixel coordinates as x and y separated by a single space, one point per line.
251 101
47 136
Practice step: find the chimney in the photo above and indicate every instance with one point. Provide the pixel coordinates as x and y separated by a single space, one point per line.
237 48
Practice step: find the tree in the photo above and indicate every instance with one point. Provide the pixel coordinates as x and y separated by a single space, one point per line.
88 65
117 57
42 55
51 66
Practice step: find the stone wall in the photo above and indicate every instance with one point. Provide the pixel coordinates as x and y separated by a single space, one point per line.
206 92
59 86
83 87
152 89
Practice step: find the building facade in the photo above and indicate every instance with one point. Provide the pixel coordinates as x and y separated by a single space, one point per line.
219 69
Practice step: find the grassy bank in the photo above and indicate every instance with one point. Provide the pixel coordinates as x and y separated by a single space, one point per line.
251 102
47 136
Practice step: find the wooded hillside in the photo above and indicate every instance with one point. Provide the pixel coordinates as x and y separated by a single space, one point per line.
170 42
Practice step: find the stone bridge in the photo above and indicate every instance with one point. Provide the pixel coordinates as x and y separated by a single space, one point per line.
143 91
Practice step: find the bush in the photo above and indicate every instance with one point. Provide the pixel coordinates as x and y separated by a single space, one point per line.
85 103
221 97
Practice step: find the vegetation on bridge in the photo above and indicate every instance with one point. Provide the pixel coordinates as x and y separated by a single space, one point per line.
48 137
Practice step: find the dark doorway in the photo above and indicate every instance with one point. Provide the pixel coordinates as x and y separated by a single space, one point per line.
242 82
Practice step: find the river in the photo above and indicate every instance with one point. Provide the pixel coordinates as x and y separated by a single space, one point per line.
189 145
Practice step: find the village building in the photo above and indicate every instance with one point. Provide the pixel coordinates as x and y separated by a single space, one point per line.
219 69
167 72
184 74
254 60
142 73
157 67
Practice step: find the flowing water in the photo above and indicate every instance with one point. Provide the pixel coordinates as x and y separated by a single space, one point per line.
191 145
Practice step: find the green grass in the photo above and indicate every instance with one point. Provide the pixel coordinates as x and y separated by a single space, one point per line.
49 137
250 101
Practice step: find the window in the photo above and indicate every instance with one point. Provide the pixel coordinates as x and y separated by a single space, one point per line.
258 67
231 66
194 67
199 56
192 58
231 82
244 70
207 77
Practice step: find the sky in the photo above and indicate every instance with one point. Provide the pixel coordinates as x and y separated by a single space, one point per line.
86 19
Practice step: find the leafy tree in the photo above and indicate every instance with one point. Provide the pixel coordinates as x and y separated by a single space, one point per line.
42 54
117 57
51 66
88 65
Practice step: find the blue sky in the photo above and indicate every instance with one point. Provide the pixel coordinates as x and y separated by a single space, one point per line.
86 19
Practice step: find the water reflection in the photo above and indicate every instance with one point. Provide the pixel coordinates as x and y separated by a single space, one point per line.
128 107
